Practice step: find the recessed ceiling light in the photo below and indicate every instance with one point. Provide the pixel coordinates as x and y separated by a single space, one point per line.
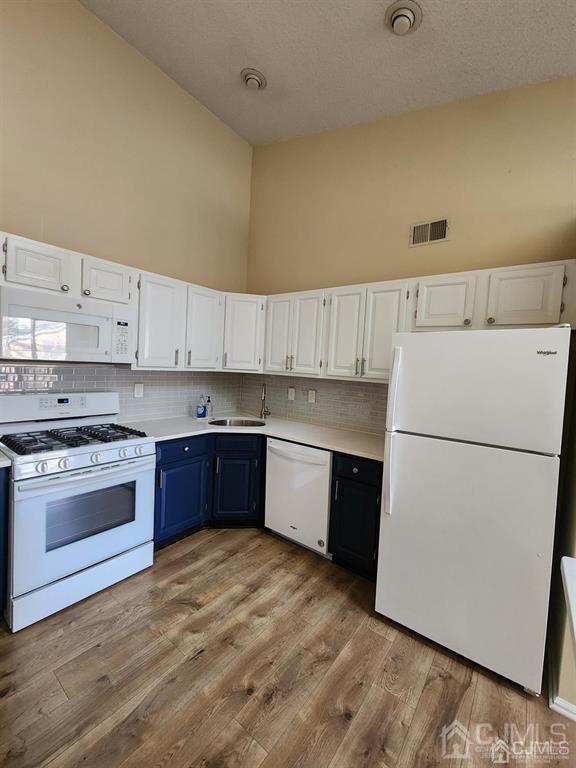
403 17
253 79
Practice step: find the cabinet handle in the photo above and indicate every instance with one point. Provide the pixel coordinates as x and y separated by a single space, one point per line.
87 292
176 356
337 489
225 359
354 470
161 483
217 464
491 320
287 362
189 357
291 362
65 288
356 366
362 366
186 448
467 321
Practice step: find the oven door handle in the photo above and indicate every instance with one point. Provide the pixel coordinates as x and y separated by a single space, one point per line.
23 487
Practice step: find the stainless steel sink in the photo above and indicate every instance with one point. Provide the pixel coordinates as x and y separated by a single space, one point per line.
237 423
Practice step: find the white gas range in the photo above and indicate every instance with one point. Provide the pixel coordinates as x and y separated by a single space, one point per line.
81 503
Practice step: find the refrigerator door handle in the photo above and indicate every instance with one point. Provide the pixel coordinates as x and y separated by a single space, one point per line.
388 475
393 389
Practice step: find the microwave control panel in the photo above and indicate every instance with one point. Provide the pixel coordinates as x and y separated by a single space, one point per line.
122 337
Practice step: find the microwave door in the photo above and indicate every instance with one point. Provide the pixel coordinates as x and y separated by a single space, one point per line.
33 332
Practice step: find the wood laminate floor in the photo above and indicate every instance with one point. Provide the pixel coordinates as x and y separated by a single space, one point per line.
240 649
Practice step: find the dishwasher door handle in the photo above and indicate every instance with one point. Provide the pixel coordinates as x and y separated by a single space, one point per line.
297 456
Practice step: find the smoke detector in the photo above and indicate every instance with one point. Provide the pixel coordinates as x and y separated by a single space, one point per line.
253 79
403 17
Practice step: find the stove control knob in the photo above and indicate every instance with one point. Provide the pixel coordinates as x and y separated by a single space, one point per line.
123 453
42 466
139 450
96 458
64 463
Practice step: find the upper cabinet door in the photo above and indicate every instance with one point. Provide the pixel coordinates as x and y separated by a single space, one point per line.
446 301
162 322
278 348
40 265
106 280
345 331
385 304
204 328
307 321
525 296
243 332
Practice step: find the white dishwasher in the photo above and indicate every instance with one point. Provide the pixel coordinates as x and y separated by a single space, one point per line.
298 493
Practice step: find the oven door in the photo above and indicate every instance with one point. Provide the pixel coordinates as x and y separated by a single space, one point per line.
37 326
64 523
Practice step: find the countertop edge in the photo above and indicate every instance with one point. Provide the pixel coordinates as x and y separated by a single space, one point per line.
279 432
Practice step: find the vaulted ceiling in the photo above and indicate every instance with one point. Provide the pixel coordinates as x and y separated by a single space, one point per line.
331 63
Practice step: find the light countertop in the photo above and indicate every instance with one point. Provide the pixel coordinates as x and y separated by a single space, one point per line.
363 444
4 461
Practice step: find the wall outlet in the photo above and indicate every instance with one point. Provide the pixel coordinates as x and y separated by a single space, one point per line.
139 390
291 393
311 395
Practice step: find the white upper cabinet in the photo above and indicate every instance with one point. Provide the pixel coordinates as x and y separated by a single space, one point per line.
278 348
243 332
294 324
204 328
42 266
307 326
446 301
162 322
385 305
346 330
526 296
106 280
362 321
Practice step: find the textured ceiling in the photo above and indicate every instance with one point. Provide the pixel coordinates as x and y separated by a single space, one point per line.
331 62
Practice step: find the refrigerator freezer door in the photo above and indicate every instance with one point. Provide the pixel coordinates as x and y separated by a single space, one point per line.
466 550
498 387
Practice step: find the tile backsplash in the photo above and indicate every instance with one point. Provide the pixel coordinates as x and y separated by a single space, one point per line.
349 405
166 393
346 404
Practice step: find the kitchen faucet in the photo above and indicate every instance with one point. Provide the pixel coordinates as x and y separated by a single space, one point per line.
263 410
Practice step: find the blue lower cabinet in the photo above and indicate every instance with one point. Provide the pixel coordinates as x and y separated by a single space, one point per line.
4 507
355 513
238 481
183 484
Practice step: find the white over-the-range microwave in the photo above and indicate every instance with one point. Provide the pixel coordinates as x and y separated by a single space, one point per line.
38 326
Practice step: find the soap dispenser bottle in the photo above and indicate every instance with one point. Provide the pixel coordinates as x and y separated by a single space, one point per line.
201 408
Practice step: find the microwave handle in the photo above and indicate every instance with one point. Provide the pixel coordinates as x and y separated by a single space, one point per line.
61 481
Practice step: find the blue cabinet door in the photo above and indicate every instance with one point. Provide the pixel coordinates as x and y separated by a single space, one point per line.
182 496
354 518
237 489
4 511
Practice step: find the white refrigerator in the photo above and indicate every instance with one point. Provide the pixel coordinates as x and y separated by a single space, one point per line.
471 464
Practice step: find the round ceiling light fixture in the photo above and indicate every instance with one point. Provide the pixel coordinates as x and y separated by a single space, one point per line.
403 17
253 79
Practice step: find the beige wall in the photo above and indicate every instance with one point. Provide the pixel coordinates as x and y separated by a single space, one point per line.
103 153
336 207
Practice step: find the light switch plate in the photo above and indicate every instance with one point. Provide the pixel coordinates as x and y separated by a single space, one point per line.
291 393
311 395
139 390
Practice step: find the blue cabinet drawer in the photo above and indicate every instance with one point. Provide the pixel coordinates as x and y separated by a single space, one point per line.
363 470
181 449
238 443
